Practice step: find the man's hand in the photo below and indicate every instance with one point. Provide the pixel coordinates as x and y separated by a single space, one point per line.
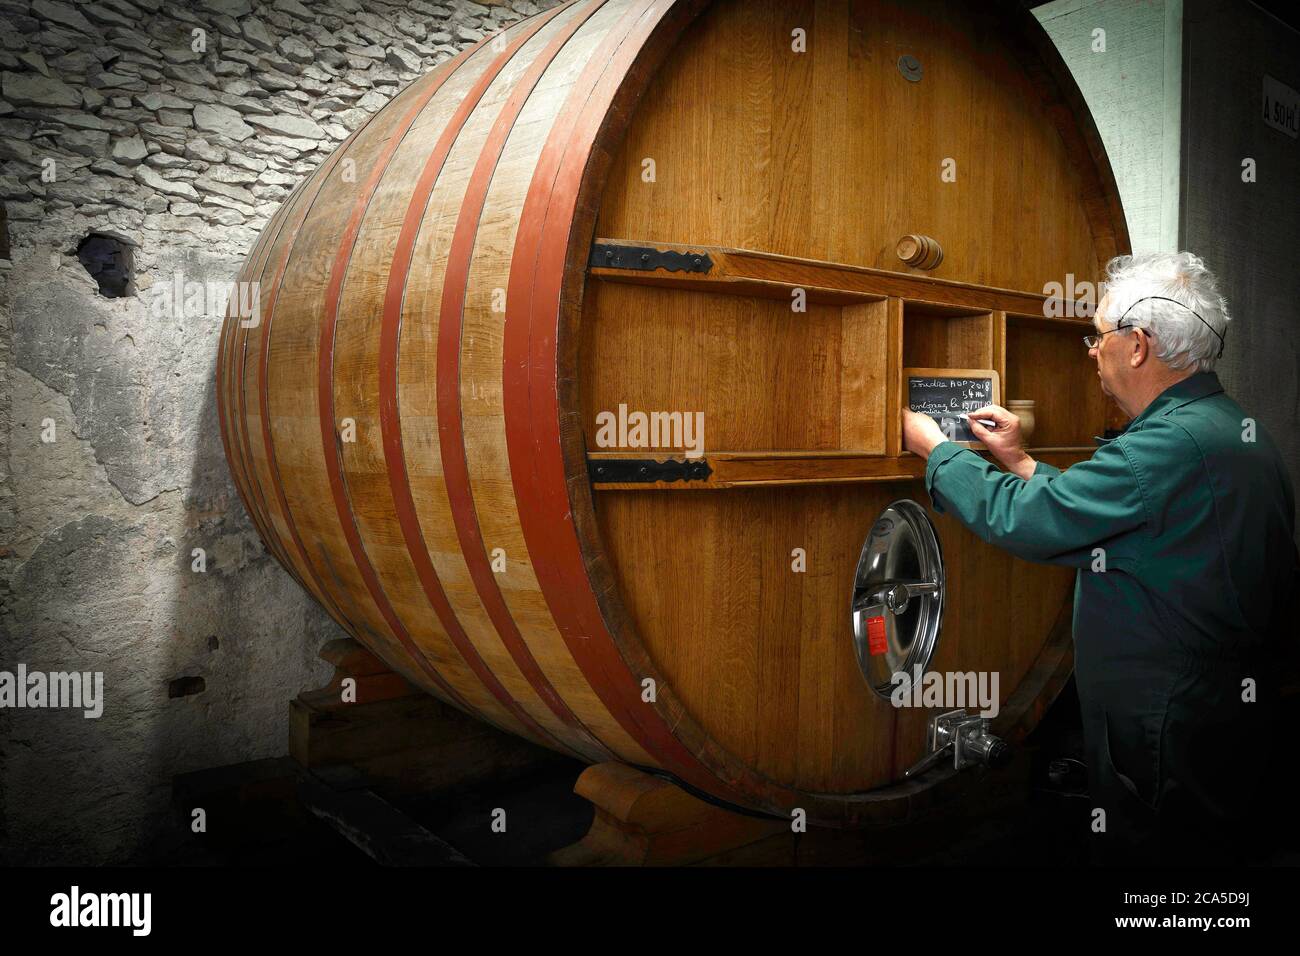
921 433
1004 441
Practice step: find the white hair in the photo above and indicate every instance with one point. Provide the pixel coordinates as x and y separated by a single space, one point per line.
1181 339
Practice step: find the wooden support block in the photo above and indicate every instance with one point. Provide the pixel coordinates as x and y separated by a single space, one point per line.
383 714
373 680
341 735
643 820
395 738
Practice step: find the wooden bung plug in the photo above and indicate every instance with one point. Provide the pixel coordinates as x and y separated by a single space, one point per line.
919 252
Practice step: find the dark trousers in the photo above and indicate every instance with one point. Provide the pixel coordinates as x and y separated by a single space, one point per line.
1193 785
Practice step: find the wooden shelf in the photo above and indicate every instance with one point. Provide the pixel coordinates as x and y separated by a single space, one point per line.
769 275
946 337
733 469
758 469
840 360
1045 360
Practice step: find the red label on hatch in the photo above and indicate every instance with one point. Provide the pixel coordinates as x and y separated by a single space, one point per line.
876 642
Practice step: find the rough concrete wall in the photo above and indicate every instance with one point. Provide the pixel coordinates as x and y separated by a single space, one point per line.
1133 88
116 118
1247 231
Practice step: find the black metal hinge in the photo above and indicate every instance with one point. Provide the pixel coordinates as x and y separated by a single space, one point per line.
644 470
647 258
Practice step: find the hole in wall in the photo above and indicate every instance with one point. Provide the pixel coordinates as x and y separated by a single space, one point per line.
186 686
110 262
4 232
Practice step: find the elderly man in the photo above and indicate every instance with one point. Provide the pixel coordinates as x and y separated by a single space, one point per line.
1182 529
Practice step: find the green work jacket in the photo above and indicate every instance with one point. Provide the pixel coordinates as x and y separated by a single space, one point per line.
1183 530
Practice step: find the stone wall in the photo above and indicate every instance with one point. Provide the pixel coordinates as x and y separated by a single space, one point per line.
175 129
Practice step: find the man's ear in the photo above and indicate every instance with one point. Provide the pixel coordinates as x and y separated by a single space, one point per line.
1141 349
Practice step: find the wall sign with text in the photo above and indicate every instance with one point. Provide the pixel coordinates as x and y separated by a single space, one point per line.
1281 107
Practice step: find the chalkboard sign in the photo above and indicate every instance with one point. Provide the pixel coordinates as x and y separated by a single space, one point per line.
944 393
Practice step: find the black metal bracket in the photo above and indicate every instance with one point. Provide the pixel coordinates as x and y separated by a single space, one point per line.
645 471
647 258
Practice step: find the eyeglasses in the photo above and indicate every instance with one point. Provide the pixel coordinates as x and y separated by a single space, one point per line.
1092 341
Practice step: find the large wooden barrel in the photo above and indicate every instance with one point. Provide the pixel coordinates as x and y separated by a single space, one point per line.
623 206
